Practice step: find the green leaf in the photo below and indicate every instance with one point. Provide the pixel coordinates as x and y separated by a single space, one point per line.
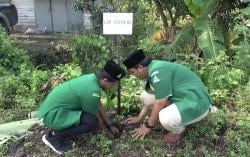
210 37
184 37
194 6
245 1
246 11
201 8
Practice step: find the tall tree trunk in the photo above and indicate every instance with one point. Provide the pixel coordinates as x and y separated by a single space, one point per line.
169 12
161 12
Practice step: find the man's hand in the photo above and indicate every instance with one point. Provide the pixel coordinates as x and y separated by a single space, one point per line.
114 131
140 132
132 120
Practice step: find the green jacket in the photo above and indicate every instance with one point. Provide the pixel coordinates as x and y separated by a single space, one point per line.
64 105
181 86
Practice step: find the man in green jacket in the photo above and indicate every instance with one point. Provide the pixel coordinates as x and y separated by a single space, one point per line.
71 108
174 94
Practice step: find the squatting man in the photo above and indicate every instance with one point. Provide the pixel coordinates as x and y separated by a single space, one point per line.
173 94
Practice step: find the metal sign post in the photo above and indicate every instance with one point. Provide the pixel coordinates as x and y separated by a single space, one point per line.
117 38
118 24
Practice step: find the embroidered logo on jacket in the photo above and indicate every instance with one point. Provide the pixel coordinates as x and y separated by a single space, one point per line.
96 95
119 76
155 79
154 73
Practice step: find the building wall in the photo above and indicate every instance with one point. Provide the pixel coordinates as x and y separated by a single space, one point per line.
26 14
43 15
50 16
75 18
59 16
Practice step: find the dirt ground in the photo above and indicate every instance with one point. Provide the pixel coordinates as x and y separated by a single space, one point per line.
98 145
31 145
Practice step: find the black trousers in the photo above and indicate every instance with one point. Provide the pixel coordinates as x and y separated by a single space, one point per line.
88 123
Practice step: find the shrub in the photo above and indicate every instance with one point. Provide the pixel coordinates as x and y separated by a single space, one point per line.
130 95
67 71
242 99
60 74
11 57
21 93
214 125
242 42
90 52
221 78
156 49
237 136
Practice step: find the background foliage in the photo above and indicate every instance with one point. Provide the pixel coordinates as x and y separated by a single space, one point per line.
211 38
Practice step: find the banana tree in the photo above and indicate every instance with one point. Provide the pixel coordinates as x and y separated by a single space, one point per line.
203 27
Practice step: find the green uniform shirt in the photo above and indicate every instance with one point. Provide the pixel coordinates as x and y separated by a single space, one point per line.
181 86
63 106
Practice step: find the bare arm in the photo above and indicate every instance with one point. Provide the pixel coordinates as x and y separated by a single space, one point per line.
103 115
102 126
158 105
137 119
144 130
107 125
145 110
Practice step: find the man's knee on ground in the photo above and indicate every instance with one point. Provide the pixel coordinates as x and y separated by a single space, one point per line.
90 120
92 123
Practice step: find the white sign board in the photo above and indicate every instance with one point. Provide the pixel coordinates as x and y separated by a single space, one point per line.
117 23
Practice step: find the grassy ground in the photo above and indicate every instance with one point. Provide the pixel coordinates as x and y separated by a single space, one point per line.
206 138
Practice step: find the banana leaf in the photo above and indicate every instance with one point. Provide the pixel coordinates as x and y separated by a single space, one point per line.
210 37
246 11
201 8
16 129
184 37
